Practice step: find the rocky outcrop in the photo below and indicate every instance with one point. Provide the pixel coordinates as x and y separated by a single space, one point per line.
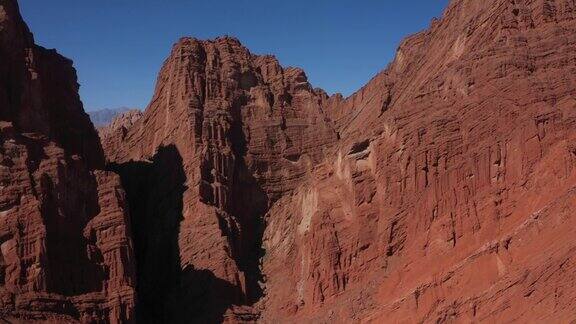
66 253
450 197
227 134
441 191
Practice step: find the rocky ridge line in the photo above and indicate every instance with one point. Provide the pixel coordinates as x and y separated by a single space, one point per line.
441 163
66 252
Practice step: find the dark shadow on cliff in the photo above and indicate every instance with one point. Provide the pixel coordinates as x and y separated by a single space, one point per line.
250 203
68 199
166 292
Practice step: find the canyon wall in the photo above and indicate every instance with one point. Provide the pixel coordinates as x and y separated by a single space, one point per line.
66 253
451 195
442 191
226 135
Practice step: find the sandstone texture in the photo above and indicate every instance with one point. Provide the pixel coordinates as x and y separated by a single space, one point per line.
227 133
66 253
442 191
450 197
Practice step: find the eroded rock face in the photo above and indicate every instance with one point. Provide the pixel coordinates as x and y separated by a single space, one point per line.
451 195
66 252
441 191
226 135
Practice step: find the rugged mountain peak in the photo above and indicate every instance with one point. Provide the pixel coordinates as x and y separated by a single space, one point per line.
66 253
440 191
218 75
386 205
243 131
41 90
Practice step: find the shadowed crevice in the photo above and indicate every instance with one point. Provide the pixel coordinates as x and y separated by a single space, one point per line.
166 292
249 203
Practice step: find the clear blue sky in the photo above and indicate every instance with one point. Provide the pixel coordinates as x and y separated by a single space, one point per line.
118 46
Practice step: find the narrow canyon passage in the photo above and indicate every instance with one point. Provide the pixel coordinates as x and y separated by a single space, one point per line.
154 193
167 289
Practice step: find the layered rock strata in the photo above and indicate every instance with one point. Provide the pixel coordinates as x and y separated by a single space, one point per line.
66 253
440 191
451 195
226 135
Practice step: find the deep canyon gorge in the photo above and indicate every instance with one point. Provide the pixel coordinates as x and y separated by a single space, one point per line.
442 191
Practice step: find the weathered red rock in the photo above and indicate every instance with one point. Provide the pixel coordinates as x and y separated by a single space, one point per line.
66 253
227 134
113 133
451 195
441 191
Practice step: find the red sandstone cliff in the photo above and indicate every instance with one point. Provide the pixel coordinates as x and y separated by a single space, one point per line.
441 191
451 196
226 135
66 252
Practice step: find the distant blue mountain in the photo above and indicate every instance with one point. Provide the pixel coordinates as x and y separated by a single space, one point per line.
103 117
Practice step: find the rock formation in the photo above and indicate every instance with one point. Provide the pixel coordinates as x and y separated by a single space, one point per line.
451 195
66 253
442 191
114 132
226 135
